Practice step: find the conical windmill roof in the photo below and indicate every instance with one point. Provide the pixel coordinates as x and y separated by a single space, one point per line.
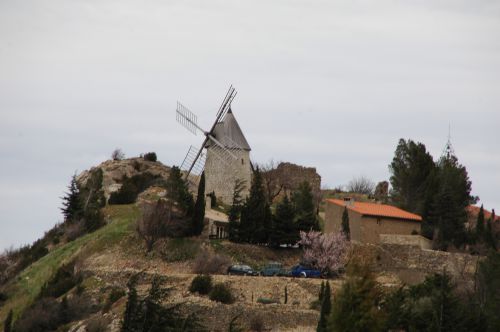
229 133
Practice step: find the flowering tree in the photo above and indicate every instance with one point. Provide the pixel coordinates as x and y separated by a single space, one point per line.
325 252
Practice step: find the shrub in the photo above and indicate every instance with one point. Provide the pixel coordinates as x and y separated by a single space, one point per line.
133 186
221 293
208 263
257 323
264 300
201 284
74 231
61 282
150 156
117 154
180 249
113 296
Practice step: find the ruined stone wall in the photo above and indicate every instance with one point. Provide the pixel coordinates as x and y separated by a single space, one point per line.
290 176
221 177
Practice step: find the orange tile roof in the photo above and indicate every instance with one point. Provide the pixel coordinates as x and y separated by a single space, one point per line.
474 211
378 210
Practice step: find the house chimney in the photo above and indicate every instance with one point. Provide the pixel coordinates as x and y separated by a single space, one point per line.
348 201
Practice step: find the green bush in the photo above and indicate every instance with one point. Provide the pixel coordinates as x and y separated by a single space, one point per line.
150 156
113 296
61 282
132 187
201 284
221 293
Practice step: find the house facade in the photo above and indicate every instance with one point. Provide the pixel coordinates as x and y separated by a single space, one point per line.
367 221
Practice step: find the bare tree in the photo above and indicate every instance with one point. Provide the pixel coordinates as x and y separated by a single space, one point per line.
361 185
117 154
273 182
152 225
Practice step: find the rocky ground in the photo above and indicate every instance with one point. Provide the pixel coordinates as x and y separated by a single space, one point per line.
113 267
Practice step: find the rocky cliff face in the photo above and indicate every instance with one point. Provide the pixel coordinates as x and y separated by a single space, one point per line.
115 170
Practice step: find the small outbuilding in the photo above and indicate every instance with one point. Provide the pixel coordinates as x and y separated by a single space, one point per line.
367 221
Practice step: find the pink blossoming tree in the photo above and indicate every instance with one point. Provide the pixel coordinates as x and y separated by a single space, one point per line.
325 252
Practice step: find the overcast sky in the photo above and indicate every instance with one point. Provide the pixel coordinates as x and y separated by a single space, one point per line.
329 84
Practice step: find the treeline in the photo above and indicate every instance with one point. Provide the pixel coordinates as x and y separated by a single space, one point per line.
253 221
436 304
439 191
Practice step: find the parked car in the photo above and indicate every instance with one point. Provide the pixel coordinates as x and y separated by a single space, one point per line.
243 270
304 272
273 269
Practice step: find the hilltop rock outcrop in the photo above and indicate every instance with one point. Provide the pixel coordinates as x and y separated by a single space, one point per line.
114 172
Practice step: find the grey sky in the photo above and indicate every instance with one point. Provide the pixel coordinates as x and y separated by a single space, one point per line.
330 84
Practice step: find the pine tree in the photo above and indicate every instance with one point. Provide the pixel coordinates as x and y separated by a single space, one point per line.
356 307
410 170
72 205
345 224
283 230
448 214
256 213
326 308
199 208
235 211
178 191
480 222
305 210
7 326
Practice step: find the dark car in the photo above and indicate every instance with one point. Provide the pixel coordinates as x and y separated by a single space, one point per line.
304 272
243 270
273 269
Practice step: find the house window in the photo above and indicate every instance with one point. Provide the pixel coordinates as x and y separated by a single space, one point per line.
379 221
242 161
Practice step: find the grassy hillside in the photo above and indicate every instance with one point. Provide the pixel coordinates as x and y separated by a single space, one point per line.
24 289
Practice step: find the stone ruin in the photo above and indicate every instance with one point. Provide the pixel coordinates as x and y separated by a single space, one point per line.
287 177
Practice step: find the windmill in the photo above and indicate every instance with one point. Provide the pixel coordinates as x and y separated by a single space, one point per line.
223 146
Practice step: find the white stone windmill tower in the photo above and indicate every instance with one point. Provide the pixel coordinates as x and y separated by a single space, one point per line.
224 154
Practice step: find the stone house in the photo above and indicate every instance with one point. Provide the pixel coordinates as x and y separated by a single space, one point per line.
368 221
217 223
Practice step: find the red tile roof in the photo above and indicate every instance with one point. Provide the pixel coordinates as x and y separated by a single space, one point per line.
473 211
378 210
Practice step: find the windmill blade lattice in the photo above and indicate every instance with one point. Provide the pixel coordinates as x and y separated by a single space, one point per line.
186 118
192 158
223 154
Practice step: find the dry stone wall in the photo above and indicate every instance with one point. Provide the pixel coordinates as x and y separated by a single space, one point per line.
412 264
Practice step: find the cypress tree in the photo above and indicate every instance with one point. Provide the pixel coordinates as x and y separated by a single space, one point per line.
235 211
256 213
7 326
72 205
283 230
305 210
345 224
199 208
132 317
321 292
480 222
326 308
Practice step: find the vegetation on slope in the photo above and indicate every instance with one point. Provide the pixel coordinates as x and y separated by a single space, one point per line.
25 288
